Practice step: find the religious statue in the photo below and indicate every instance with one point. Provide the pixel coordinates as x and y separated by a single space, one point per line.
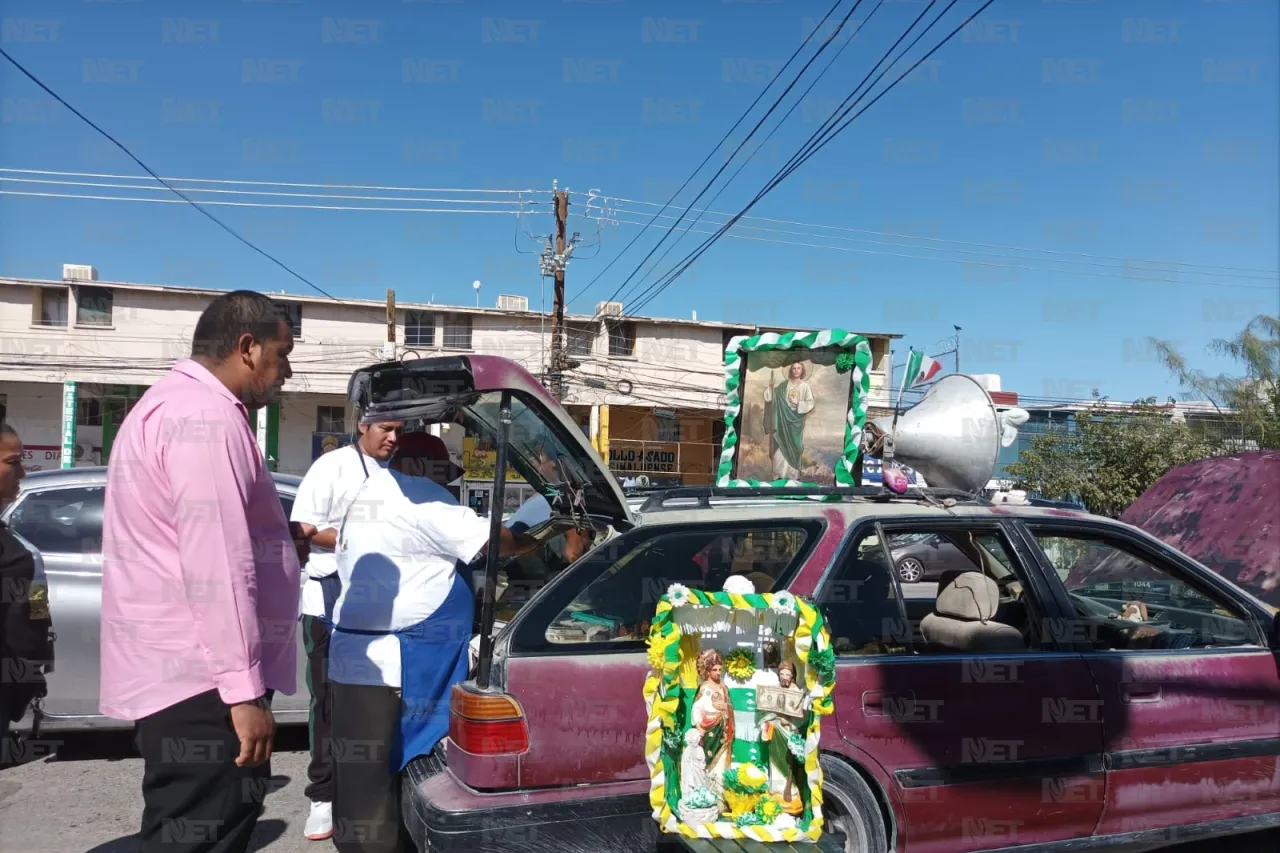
785 418
787 704
712 713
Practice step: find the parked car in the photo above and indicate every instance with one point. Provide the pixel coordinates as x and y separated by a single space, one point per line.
1032 717
60 512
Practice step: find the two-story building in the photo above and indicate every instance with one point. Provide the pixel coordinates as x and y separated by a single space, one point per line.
648 391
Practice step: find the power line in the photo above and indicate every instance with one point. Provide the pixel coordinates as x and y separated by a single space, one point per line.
771 133
269 183
711 153
149 171
276 205
520 203
1000 265
776 103
811 148
1262 272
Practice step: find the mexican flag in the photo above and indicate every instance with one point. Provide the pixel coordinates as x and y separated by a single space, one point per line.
920 368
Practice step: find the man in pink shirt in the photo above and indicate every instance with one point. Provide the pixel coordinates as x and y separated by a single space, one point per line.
200 582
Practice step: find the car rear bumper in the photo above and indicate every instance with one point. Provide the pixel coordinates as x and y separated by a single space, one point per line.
442 814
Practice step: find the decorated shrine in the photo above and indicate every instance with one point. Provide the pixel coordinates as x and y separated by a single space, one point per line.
739 683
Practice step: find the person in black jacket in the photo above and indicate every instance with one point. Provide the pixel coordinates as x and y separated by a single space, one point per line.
26 645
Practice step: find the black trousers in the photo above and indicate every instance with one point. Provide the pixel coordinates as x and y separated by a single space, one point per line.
366 804
315 633
195 798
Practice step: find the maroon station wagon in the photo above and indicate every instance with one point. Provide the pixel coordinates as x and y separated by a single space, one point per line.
1076 685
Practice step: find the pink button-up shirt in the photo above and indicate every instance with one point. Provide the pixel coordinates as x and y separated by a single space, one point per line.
200 577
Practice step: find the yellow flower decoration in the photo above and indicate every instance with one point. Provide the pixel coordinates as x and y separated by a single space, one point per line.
740 664
769 809
657 656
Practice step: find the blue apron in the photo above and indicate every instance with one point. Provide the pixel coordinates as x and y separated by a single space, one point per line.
433 658
331 589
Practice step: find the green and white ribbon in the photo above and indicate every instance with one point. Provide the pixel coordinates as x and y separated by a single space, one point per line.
859 390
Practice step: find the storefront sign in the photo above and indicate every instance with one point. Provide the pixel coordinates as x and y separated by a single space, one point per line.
646 458
42 457
479 459
69 401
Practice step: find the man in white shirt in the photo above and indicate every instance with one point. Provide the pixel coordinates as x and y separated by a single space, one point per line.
323 498
402 626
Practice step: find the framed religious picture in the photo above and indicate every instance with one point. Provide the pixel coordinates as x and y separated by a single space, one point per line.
796 405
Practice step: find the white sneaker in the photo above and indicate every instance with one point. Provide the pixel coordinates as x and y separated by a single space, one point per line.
319 822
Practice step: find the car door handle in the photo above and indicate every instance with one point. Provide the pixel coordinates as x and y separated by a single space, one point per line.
1134 694
873 702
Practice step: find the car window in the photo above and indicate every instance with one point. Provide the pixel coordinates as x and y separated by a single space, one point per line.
61 521
1129 602
625 582
865 613
286 502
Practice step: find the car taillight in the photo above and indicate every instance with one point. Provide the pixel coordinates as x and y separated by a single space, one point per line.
487 723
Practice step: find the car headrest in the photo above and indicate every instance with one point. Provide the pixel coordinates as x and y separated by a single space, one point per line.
971 596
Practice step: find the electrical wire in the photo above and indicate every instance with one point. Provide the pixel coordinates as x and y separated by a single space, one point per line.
999 265
263 204
776 103
1263 272
713 151
811 148
34 79
765 141
267 183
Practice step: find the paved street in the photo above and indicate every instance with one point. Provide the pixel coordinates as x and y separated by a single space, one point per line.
87 801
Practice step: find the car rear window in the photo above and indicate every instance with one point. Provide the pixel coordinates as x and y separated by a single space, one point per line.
611 596
61 521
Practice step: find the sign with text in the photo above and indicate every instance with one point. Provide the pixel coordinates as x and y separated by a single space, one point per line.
69 401
644 458
479 459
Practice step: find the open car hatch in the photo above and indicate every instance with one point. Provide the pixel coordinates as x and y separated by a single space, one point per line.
547 448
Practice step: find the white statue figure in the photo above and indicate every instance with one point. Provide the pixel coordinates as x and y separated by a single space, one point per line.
693 762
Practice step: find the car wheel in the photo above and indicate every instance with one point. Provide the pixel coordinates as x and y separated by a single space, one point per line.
910 570
850 809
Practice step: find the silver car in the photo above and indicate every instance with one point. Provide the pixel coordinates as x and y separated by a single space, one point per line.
60 512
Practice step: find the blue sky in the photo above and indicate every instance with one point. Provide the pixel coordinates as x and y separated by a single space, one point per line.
1122 130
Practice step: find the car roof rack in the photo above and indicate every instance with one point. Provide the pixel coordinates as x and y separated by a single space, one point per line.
704 494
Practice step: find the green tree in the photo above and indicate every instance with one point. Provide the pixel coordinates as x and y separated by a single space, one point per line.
1109 457
1251 402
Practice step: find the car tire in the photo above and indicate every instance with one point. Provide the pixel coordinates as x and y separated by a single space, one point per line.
910 570
850 808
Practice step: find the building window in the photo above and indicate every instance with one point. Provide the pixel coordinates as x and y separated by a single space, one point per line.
93 306
457 331
419 329
52 308
622 339
668 429
580 339
331 419
293 311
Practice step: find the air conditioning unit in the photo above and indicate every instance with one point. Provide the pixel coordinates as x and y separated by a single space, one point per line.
507 302
609 309
79 272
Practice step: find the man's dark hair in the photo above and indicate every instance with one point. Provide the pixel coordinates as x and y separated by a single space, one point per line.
232 315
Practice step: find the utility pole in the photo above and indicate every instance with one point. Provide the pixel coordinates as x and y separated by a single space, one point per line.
554 263
957 328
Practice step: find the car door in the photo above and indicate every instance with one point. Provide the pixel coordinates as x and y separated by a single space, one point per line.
577 654
297 705
1189 686
985 749
65 524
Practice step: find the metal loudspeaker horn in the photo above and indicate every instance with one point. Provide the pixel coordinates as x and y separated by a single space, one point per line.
952 437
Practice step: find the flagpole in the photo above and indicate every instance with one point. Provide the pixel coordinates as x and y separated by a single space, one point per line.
901 388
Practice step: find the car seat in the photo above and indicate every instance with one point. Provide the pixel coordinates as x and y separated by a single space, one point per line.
963 617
